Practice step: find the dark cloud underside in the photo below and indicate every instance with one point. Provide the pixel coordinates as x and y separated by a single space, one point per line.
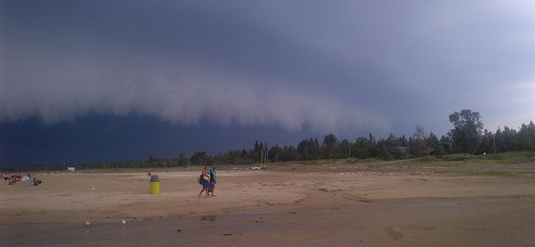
346 67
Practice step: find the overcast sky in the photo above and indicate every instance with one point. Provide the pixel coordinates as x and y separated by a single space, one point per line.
86 81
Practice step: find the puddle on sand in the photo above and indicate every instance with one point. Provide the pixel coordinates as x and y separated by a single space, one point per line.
438 204
432 204
208 218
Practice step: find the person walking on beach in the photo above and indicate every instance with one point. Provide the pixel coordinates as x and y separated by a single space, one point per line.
213 180
205 182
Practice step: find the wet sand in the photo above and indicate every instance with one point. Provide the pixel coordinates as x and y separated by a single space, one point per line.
317 206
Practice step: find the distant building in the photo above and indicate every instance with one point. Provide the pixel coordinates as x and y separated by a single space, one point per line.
70 168
401 149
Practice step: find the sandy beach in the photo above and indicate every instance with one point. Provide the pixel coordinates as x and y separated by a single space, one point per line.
282 206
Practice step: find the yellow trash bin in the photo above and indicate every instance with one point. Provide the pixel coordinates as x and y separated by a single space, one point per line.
154 184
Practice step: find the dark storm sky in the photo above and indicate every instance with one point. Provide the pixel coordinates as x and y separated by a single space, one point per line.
85 81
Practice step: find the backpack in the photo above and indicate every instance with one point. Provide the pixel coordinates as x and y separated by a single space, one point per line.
199 179
211 176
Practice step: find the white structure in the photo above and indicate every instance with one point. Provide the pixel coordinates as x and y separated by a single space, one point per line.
70 168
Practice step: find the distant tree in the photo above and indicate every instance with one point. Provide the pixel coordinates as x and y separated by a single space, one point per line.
526 137
487 142
330 140
509 138
384 154
419 134
365 148
274 153
372 139
289 153
329 147
499 141
446 144
308 149
313 149
199 158
182 159
302 146
439 150
418 141
432 140
466 132
403 141
392 141
344 148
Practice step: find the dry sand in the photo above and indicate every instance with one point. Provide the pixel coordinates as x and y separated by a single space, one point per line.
312 206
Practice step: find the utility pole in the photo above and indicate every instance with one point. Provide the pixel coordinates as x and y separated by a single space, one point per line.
408 146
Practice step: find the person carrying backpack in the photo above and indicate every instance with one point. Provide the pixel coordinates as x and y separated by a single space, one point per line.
205 182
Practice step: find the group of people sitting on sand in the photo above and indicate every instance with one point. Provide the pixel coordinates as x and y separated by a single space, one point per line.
11 179
208 180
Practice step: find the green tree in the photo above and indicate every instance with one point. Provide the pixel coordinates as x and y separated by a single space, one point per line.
432 140
466 132
384 154
289 153
364 148
274 153
344 148
526 137
330 140
199 158
182 159
419 137
487 143
439 150
329 147
313 149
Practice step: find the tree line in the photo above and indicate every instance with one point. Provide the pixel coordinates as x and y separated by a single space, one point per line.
466 136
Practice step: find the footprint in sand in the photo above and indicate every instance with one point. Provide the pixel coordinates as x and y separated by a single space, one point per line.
394 234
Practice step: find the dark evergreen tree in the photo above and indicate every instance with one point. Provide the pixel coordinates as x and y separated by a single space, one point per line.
439 150
274 153
330 140
526 137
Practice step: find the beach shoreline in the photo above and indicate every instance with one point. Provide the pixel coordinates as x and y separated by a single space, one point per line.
383 203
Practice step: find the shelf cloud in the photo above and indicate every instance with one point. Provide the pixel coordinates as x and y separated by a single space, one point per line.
345 67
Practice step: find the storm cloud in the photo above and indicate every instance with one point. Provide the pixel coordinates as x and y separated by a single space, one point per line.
345 67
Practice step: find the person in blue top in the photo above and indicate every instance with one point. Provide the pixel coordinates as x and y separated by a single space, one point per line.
213 179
